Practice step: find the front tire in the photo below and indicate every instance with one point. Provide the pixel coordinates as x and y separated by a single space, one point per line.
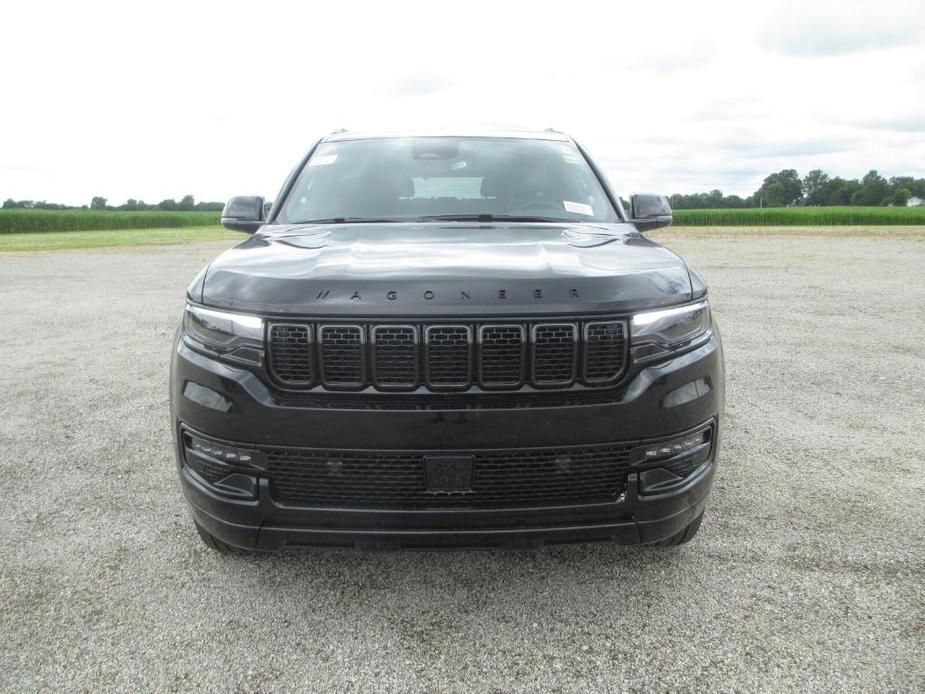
683 536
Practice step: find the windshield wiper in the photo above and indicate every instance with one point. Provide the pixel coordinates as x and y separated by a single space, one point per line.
349 220
487 218
433 218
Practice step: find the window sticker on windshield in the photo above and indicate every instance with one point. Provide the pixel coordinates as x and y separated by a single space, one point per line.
578 207
322 160
459 165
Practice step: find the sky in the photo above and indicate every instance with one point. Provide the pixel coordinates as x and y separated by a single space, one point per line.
154 100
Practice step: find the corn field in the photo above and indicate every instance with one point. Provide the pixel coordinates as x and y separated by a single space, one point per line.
20 221
802 216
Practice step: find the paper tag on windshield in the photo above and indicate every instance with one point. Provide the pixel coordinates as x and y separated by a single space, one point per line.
578 208
322 160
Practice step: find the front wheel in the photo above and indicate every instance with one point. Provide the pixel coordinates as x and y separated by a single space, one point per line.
683 536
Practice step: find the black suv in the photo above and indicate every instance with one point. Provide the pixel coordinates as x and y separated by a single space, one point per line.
446 341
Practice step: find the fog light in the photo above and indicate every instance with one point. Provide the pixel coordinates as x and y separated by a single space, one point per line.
664 465
668 449
231 455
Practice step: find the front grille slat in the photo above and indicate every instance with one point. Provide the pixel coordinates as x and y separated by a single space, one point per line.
448 357
395 356
499 355
604 350
555 347
291 353
343 358
500 478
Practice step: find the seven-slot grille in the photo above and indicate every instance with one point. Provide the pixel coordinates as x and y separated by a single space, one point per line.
448 356
397 479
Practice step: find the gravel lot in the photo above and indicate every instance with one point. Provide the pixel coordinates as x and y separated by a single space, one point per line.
806 575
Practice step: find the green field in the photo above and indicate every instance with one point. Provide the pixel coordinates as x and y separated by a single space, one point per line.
46 221
62 240
65 240
38 230
802 216
20 221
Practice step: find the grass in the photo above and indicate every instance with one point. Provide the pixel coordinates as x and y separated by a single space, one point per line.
38 221
908 232
56 241
803 216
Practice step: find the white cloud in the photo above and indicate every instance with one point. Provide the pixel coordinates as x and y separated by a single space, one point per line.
837 28
105 98
420 83
681 55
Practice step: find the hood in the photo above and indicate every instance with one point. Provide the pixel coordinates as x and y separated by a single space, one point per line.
454 268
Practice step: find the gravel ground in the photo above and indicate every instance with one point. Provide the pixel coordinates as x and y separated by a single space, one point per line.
807 573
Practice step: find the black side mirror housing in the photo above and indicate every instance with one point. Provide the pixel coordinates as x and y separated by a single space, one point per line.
244 213
650 211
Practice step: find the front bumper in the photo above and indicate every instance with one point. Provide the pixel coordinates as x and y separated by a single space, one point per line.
266 525
234 405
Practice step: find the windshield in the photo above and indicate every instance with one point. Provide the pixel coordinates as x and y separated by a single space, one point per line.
405 179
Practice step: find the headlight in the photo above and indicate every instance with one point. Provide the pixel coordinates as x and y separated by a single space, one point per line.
236 335
657 333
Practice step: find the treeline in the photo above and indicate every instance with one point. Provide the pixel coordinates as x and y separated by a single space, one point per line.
186 204
786 189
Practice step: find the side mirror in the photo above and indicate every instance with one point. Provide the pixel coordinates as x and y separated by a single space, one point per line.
649 211
244 213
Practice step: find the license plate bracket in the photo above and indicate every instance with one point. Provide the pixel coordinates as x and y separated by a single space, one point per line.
448 473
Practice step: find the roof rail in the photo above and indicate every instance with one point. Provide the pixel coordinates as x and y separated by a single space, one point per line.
338 131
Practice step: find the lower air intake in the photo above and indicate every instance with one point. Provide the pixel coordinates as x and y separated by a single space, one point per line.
500 478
